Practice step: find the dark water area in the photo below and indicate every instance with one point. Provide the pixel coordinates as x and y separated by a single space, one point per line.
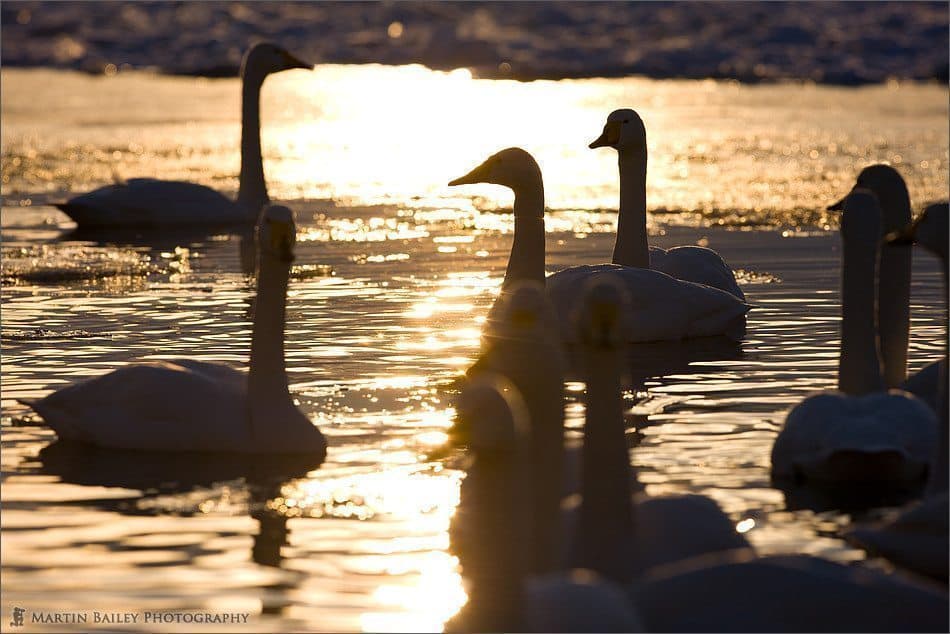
827 42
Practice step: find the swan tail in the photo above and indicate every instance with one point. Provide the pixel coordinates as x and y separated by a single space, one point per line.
55 419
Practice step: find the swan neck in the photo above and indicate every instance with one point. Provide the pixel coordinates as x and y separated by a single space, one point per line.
630 248
859 368
893 310
267 379
252 192
939 481
526 261
606 521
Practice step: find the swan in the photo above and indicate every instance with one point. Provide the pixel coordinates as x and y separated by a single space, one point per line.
187 405
612 532
665 308
625 132
526 353
148 202
894 268
860 432
916 538
505 594
784 593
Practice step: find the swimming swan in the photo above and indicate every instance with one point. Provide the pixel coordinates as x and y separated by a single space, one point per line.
664 529
148 202
187 405
625 132
614 533
860 432
665 308
504 592
917 538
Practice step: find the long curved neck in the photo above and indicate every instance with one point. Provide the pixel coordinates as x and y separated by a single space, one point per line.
252 194
267 390
605 527
894 283
939 480
526 261
630 248
859 368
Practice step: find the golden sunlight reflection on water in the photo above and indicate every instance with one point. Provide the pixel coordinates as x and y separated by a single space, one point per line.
385 310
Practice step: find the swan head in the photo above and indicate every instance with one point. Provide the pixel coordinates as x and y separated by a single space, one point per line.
512 167
600 319
265 58
891 191
930 230
861 217
491 415
624 129
276 233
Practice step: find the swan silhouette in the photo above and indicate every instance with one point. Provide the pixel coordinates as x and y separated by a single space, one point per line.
187 405
860 432
626 133
917 538
609 531
505 593
148 202
664 308
894 269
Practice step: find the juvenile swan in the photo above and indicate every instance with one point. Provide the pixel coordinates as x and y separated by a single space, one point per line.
665 308
148 202
625 132
860 432
186 405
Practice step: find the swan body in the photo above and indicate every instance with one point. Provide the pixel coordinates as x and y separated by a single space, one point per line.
861 432
917 539
925 384
663 308
885 436
792 593
625 132
187 405
666 308
147 202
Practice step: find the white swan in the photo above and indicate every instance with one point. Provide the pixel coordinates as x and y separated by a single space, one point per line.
148 202
625 132
860 432
894 268
526 352
186 405
505 593
664 308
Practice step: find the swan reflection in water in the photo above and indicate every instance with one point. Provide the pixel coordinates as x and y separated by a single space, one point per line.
183 484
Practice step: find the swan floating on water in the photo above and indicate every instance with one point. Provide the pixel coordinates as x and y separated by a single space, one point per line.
664 308
626 133
187 405
505 593
918 538
149 202
860 433
610 531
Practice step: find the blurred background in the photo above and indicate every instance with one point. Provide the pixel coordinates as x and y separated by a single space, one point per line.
833 42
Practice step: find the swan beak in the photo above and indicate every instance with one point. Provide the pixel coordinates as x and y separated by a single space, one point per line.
292 61
609 137
477 175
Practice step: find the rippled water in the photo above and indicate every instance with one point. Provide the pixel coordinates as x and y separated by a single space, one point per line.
384 312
